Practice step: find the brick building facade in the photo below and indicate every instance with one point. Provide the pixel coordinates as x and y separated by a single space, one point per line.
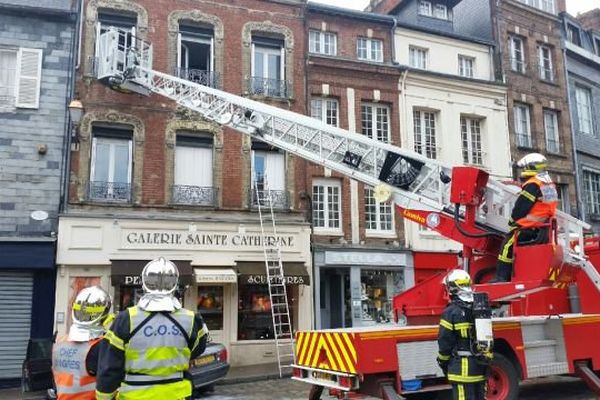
150 179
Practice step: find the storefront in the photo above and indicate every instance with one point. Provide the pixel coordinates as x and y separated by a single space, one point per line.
355 287
221 267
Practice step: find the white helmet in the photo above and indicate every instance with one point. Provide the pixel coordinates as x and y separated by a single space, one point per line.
159 280
89 311
458 284
532 164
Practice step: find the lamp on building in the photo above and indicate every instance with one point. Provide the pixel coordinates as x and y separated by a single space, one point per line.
75 113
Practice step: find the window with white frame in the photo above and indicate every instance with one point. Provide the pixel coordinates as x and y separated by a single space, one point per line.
583 99
375 121
471 141
597 44
325 109
116 19
196 61
424 133
111 164
522 125
369 49
20 77
378 216
545 63
563 198
425 8
551 129
327 205
517 56
573 35
268 67
440 11
322 42
268 175
466 66
591 184
193 180
544 5
418 57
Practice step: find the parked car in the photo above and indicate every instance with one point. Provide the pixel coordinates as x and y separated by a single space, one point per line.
205 370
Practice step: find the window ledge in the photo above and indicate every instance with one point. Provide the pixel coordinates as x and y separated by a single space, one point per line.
558 155
381 234
326 232
431 235
547 82
262 98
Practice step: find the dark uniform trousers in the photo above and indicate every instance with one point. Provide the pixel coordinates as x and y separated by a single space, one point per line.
465 372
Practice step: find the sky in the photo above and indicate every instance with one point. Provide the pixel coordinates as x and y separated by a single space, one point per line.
573 6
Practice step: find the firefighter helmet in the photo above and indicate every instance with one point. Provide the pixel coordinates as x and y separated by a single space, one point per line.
532 164
89 311
160 278
458 284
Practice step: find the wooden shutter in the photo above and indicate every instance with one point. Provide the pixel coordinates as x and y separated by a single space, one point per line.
29 75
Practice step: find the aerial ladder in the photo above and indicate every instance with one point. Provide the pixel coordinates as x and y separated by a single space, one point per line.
461 203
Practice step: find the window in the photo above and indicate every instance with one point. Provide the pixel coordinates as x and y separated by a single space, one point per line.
425 8
369 49
193 182
107 20
20 77
255 321
425 140
563 198
268 176
544 5
471 141
210 306
522 125
326 110
375 121
378 216
551 129
573 35
418 57
591 184
268 67
322 43
597 44
327 205
517 57
466 66
545 63
583 98
440 11
378 288
111 165
195 60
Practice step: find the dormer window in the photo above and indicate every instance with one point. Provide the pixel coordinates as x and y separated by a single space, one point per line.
425 8
431 9
573 35
440 11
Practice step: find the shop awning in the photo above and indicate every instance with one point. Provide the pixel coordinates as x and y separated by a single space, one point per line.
215 275
254 273
128 272
27 255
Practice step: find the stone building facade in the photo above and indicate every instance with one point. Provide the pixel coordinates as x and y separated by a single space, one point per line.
151 179
36 43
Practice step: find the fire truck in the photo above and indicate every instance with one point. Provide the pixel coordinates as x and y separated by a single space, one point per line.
545 319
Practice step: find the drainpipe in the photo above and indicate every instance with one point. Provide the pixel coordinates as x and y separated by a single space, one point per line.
578 189
393 42
80 34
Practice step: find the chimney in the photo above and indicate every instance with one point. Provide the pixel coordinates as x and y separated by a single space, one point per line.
562 5
590 20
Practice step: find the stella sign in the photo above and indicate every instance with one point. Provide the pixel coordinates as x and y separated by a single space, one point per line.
209 240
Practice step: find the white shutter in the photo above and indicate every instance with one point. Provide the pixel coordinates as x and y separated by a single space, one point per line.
193 166
29 75
275 170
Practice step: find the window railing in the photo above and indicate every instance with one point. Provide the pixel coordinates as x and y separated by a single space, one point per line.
552 146
279 198
194 195
207 78
524 140
545 73
518 65
110 191
269 87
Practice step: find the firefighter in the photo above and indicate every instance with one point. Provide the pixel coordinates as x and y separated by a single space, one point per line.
464 369
533 210
75 357
148 348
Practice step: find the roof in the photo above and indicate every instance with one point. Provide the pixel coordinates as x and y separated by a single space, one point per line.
438 32
345 12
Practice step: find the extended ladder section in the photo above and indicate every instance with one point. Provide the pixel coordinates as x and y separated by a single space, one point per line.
282 324
414 181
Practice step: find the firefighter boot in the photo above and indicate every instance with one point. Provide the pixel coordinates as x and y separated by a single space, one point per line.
503 272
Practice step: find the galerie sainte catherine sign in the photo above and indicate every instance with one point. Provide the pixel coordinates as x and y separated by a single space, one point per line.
182 240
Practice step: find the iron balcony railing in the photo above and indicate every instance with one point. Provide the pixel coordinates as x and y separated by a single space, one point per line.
546 73
518 65
553 146
194 195
524 140
110 191
207 78
279 198
269 87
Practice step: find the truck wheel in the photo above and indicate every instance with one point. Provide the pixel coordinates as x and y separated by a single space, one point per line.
503 380
315 392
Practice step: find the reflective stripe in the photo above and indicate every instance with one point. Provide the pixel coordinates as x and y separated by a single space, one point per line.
464 366
114 340
443 357
90 309
503 256
535 218
464 353
70 372
105 396
146 378
528 196
543 208
169 391
461 392
446 324
465 379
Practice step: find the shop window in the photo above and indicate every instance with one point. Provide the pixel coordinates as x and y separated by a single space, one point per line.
378 289
210 306
129 296
255 321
